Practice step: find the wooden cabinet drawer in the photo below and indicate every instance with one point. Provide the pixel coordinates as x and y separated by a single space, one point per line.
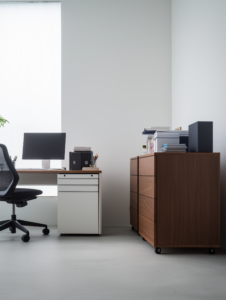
133 200
147 207
134 166
147 186
133 183
133 218
147 165
147 229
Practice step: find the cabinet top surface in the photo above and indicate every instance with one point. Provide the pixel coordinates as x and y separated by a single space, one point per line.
187 153
58 171
134 158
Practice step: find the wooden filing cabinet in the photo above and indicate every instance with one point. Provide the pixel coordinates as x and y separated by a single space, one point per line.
134 190
179 200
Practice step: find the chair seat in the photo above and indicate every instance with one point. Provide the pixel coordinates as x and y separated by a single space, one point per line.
26 193
21 195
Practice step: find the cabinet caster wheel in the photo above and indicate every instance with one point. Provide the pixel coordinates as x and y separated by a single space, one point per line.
132 228
25 238
45 231
211 250
157 250
143 239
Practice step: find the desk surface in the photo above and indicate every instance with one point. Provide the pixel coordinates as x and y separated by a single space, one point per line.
58 171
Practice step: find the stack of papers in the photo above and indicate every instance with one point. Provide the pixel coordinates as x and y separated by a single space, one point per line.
76 149
153 129
174 148
170 133
168 137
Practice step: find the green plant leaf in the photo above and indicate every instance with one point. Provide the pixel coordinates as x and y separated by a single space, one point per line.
3 121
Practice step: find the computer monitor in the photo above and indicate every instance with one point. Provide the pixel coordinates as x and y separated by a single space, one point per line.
44 146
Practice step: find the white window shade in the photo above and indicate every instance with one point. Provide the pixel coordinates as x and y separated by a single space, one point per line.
30 74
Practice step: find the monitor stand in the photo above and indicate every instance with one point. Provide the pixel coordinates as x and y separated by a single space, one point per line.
46 164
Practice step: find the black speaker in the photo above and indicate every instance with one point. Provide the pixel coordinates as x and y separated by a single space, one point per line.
78 160
86 159
75 160
201 137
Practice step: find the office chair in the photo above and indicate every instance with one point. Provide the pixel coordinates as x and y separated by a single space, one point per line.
15 196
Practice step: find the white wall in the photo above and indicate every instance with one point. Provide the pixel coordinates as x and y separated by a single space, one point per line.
199 72
116 80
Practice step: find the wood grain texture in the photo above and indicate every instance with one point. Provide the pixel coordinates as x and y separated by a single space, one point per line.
147 155
147 165
133 218
133 183
147 186
134 166
147 207
147 229
187 246
188 206
133 200
58 171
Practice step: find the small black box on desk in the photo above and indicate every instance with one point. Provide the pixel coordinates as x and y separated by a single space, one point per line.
78 160
201 137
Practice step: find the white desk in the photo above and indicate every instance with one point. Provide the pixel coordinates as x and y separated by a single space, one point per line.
79 204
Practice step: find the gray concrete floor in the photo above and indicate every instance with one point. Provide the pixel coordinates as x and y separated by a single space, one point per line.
117 265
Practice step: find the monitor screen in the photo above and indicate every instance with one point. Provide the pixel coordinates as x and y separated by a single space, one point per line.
44 146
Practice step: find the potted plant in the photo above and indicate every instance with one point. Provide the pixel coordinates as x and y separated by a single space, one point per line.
2 121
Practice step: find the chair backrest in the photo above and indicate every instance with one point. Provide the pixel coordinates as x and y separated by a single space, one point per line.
8 174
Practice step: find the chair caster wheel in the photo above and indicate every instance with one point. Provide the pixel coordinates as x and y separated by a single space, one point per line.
211 250
12 230
143 239
45 231
25 238
157 250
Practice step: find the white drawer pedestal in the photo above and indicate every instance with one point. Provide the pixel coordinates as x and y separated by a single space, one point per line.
79 207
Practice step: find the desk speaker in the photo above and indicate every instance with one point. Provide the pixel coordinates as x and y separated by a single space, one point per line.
201 137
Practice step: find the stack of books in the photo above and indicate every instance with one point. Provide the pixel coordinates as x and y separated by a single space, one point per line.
174 148
168 137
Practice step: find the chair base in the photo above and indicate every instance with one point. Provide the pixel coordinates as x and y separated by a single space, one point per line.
14 224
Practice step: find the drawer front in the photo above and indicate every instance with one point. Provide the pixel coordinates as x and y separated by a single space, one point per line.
147 166
133 200
78 176
77 188
147 207
133 183
133 167
77 213
147 229
77 181
147 186
133 218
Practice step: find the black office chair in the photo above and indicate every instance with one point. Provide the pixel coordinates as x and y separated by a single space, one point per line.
17 197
